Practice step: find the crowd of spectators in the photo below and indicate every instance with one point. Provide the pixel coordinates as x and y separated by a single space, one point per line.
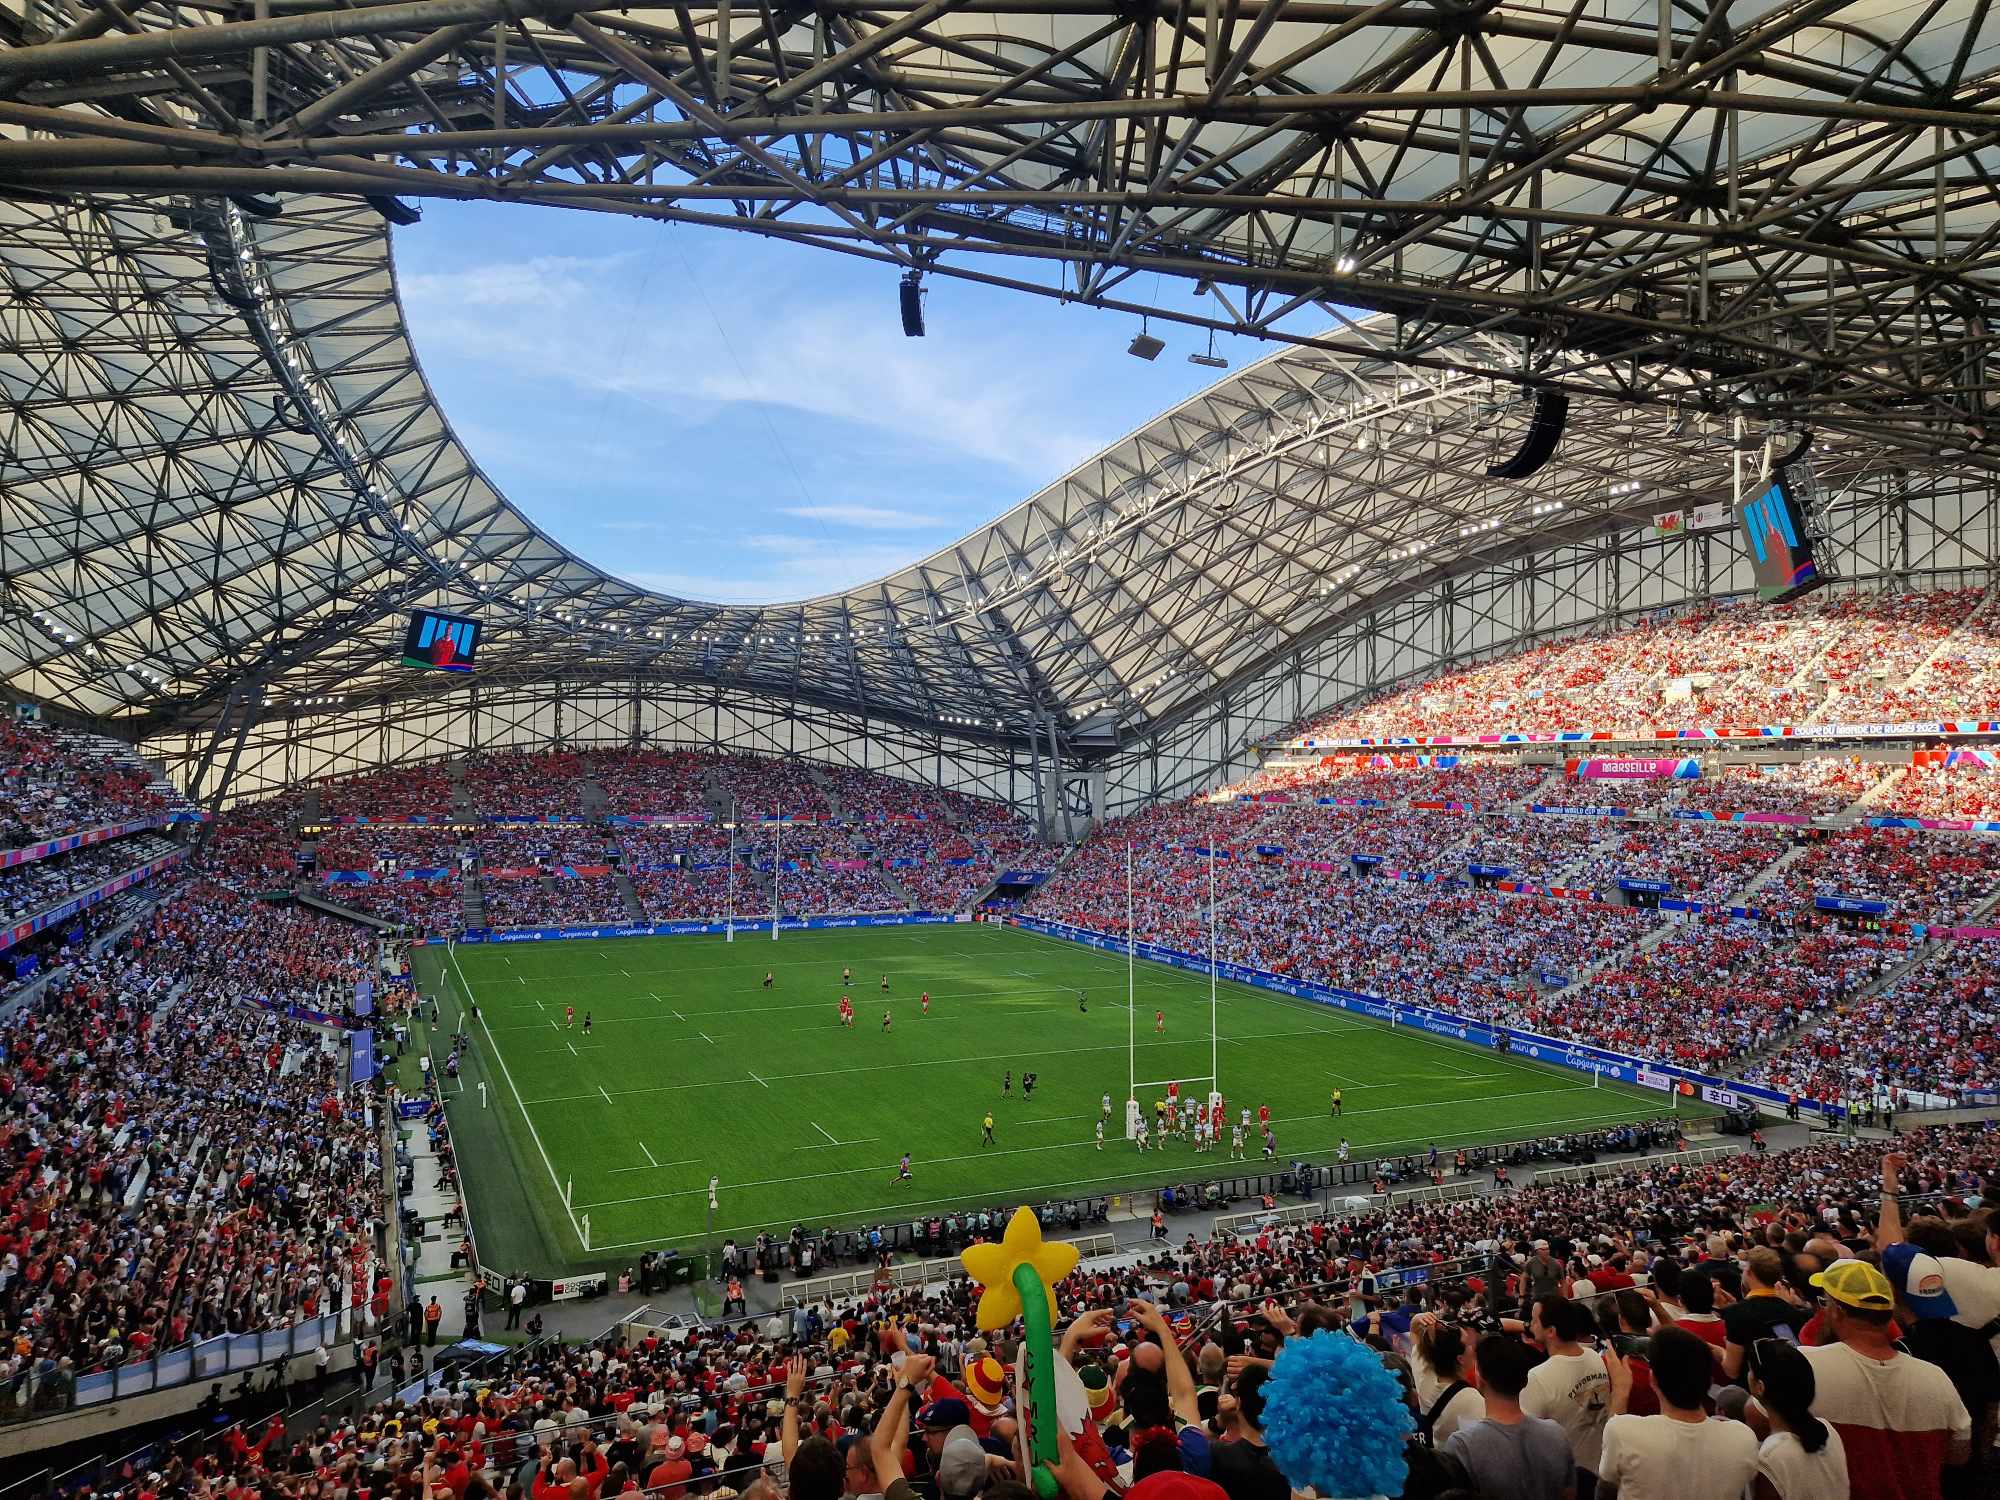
426 791
517 783
819 890
1927 792
554 900
656 782
1825 658
1697 860
1818 787
1711 992
177 1159
682 895
1920 877
52 784
1475 779
32 887
1935 1030
1623 1332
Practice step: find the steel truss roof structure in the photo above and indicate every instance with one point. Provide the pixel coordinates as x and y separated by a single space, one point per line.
225 477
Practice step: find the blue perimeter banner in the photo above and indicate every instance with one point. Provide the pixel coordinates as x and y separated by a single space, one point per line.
1578 1055
705 929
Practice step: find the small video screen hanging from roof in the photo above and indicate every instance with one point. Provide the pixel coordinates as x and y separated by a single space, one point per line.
440 643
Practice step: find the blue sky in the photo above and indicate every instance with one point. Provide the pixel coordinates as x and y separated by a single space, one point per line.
728 418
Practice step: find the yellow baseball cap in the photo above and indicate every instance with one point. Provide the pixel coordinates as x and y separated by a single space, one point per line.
1856 1284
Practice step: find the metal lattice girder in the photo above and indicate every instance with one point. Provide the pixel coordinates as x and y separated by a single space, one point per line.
1790 210
223 463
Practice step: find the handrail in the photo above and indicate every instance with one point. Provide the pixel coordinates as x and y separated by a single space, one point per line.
922 1273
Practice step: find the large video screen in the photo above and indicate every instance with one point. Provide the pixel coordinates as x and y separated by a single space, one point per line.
440 643
1781 555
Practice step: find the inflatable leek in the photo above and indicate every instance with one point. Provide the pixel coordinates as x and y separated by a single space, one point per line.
1018 1279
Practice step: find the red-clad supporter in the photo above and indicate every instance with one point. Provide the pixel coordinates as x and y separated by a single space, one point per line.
1827 658
1919 876
1934 1031
52 784
716 1407
29 888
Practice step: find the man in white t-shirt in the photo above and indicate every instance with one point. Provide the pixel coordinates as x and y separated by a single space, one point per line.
1679 1454
1571 1387
1898 1417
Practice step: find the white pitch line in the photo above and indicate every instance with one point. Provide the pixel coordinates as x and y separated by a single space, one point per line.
822 1130
574 1053
649 1155
1385 1109
533 1134
925 1062
706 1037
866 1140
600 1089
680 1018
658 1166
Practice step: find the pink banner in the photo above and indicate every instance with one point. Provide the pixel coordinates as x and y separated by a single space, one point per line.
1987 933
1635 768
843 864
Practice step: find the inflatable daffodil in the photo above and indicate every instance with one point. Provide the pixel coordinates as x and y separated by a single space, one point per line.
1017 1279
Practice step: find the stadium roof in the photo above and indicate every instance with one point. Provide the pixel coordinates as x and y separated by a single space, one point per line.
224 467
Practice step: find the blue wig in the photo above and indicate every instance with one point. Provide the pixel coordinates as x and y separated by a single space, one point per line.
1334 1418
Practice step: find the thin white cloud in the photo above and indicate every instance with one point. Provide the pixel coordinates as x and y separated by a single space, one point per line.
543 281
784 569
864 517
968 398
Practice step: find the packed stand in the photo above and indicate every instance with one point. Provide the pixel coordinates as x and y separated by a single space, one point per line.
177 1161
390 793
1621 1333
1712 992
765 787
1880 643
1473 779
819 890
26 889
536 784
1959 682
1543 849
1920 877
553 900
660 783
1822 786
1934 1031
1935 792
1823 658
52 785
683 895
1697 861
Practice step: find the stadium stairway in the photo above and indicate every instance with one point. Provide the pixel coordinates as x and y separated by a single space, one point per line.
1980 612
472 902
824 782
592 799
633 910
1769 873
1868 991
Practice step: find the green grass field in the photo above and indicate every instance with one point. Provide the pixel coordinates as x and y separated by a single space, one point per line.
695 1069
